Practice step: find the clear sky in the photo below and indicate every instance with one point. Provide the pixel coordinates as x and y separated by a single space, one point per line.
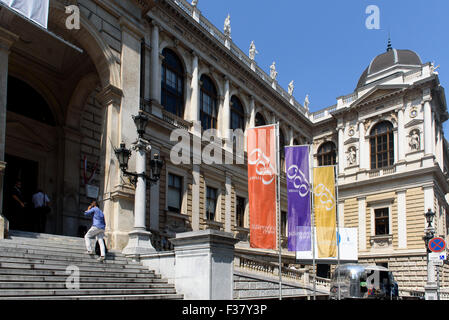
324 45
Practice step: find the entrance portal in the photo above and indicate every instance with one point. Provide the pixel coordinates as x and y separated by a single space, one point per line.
25 171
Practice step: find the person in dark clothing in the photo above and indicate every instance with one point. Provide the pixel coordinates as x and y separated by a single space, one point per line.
41 208
16 213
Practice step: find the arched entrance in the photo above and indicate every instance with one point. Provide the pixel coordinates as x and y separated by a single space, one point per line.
53 119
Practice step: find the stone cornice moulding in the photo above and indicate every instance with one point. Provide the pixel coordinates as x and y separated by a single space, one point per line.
136 31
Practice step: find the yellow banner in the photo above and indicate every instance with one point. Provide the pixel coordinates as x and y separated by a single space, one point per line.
325 211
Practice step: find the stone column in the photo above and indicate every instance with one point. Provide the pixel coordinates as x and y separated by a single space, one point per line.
402 219
7 39
155 83
228 201
195 197
154 199
427 124
341 151
226 116
252 117
401 135
204 264
139 238
362 222
363 155
195 96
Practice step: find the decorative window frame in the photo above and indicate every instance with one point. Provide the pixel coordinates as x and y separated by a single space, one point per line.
182 173
381 241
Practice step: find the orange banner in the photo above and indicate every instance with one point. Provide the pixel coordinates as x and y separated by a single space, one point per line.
262 186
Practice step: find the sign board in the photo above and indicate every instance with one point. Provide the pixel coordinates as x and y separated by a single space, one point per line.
437 244
437 258
92 191
348 239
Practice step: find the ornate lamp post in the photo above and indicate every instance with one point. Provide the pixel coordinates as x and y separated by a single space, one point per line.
139 238
431 287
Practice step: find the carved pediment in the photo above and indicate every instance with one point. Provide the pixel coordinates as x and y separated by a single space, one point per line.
351 140
413 122
378 93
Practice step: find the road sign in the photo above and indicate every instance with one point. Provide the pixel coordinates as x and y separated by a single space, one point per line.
437 244
437 258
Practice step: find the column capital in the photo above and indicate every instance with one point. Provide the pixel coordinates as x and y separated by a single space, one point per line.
110 95
7 39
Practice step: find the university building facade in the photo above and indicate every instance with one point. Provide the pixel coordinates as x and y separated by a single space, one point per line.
68 97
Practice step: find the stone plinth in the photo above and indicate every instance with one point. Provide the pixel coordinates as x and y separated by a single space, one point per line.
204 264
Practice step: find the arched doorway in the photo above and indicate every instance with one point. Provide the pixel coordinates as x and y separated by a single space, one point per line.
49 135
30 148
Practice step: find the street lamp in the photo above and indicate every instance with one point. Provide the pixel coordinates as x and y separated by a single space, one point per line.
431 288
139 238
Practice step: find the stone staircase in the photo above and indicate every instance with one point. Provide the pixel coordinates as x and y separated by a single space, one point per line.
43 267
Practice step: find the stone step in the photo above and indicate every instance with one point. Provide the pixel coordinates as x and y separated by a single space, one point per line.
65 253
77 292
48 236
83 285
65 262
44 245
83 279
83 273
82 268
103 297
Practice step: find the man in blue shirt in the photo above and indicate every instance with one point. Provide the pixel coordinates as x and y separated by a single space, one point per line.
97 229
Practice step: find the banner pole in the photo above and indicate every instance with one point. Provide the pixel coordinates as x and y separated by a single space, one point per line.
278 205
338 230
312 195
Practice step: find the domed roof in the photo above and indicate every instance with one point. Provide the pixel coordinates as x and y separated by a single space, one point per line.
388 59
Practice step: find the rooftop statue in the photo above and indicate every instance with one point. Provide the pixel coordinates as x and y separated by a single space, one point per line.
252 51
227 26
291 87
273 72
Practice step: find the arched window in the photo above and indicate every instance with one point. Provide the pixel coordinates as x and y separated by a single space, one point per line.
237 114
24 100
382 145
260 120
208 103
172 83
327 155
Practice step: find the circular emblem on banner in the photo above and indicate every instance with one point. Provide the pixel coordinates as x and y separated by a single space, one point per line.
437 244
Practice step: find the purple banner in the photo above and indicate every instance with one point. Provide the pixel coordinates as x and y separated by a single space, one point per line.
298 195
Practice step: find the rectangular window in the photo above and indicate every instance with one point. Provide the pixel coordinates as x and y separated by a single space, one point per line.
240 212
174 196
381 221
211 203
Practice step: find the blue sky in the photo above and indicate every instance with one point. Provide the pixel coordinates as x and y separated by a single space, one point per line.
324 46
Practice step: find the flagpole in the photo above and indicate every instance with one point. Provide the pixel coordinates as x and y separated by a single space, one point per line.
278 205
338 230
313 221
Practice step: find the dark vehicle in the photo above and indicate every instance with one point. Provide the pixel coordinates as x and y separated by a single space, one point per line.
355 281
